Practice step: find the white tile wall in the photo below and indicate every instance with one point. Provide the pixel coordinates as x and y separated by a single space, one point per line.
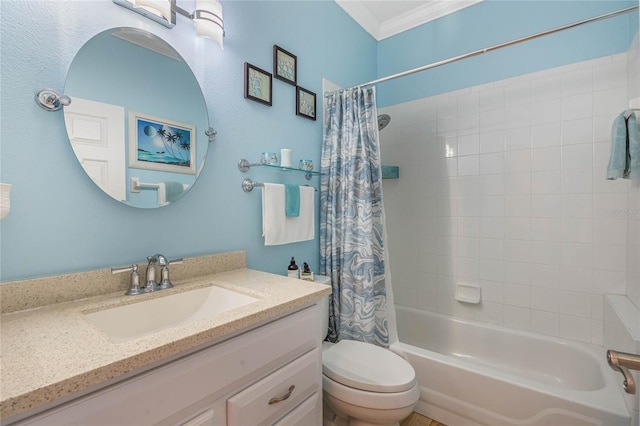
503 185
633 194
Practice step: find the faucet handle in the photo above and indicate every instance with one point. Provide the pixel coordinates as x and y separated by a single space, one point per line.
165 282
119 269
134 280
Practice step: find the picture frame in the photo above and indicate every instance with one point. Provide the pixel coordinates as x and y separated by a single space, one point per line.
161 144
285 65
305 103
258 84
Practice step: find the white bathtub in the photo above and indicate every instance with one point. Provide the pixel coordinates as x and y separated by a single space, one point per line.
471 373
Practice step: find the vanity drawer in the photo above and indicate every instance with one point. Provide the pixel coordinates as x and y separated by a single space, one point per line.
307 413
281 391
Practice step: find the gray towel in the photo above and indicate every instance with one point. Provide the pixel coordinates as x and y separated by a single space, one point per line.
624 161
634 146
174 191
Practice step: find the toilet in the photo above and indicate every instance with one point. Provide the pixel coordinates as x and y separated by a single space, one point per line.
363 384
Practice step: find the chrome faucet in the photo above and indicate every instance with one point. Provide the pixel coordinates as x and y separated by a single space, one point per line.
165 282
151 285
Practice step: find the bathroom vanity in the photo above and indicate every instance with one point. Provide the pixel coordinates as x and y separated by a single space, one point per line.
256 364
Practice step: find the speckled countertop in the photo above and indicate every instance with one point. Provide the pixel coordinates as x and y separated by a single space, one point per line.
52 352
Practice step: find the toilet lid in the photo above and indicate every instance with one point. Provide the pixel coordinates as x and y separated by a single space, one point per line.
367 367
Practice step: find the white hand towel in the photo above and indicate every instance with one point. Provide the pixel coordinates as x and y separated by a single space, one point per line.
277 228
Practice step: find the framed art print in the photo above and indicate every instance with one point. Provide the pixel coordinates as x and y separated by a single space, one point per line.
305 103
161 144
257 84
285 65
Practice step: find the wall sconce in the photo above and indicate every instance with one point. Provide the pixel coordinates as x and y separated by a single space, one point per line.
207 16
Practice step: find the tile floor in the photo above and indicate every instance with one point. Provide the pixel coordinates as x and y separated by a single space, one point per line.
416 419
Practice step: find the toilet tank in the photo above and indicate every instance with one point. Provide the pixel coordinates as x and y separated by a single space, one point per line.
324 306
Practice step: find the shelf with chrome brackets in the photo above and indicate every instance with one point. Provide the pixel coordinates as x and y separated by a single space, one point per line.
244 165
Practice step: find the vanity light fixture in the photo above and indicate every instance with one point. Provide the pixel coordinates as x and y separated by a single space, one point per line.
208 19
207 16
160 11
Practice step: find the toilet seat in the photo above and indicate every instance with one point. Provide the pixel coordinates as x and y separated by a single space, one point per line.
367 367
366 399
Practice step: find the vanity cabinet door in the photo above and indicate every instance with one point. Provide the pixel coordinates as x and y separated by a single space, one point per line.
202 419
309 412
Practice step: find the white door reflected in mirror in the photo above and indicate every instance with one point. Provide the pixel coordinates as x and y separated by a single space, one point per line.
103 158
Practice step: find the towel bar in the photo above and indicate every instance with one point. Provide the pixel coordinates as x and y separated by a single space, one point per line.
248 185
136 185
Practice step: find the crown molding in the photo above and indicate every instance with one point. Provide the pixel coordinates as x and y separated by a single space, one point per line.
362 15
422 14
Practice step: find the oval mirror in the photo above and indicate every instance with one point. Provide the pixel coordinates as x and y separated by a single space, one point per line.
137 118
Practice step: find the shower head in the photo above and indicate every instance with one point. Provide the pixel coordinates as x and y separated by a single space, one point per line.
383 121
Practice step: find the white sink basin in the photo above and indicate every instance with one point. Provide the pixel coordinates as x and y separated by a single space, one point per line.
144 318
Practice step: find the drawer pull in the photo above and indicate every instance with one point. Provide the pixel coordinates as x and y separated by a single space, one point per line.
283 397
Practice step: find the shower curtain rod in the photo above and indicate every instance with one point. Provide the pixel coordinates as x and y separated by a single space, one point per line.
492 48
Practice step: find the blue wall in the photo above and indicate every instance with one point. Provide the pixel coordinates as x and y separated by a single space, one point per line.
492 22
61 222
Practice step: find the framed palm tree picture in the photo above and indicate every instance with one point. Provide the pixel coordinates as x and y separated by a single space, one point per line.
161 144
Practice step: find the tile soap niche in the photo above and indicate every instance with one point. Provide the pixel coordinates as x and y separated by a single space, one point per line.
468 293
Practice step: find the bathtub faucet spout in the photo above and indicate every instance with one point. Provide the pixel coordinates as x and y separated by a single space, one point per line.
622 362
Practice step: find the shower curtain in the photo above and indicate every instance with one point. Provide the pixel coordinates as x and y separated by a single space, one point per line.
351 218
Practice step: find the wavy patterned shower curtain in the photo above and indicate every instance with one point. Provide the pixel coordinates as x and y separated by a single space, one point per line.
351 218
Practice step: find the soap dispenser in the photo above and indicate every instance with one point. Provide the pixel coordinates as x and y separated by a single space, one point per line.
292 270
306 273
